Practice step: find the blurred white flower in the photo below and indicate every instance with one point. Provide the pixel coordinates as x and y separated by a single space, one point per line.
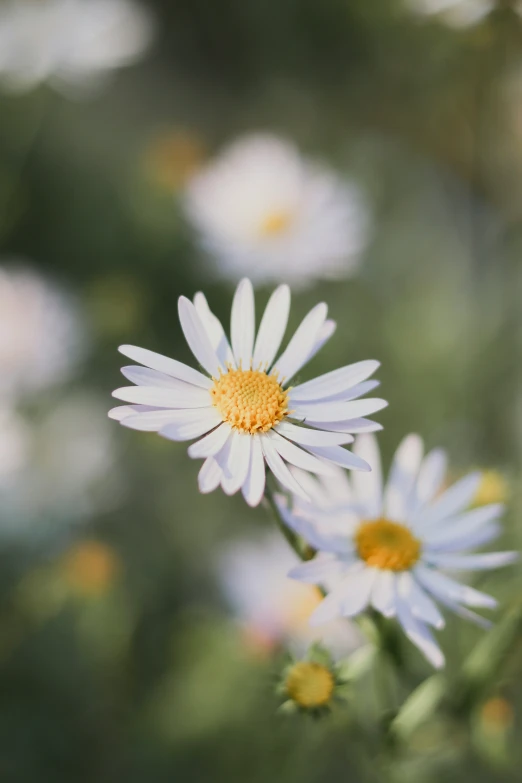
70 43
65 473
263 210
40 334
454 13
272 608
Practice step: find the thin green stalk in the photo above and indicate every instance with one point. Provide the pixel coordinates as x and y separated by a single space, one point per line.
290 536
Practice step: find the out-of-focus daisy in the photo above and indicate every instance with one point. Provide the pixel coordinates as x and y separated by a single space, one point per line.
40 334
173 157
244 406
454 13
263 210
71 44
272 608
388 547
67 472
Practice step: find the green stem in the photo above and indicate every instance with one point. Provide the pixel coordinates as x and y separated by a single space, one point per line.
290 536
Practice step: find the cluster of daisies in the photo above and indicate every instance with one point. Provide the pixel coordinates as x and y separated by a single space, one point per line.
387 545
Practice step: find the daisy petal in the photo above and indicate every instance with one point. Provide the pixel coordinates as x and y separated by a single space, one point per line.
420 604
340 456
196 336
334 382
464 524
357 425
193 424
165 365
296 456
333 605
443 587
336 411
358 391
419 634
479 562
272 327
324 334
298 350
356 601
153 420
431 477
210 444
279 469
466 614
308 437
254 487
349 598
318 535
318 571
165 398
456 541
242 325
144 376
123 411
403 476
238 463
383 593
215 331
222 456
209 476
452 501
368 485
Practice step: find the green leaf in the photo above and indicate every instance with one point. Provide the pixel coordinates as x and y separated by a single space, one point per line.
419 706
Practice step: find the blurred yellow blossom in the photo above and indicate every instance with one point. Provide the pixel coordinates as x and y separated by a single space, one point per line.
91 567
497 715
173 156
493 488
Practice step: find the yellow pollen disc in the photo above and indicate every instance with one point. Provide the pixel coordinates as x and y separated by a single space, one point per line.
387 545
309 684
249 400
275 223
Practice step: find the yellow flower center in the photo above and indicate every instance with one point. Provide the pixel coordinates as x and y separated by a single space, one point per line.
387 545
310 684
249 400
275 223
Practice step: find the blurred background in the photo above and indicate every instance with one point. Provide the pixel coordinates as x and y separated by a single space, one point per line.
141 623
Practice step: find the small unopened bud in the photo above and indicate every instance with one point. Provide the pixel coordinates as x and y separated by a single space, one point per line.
312 684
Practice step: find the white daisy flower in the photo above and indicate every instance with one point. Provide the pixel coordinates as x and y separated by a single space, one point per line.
40 334
272 608
454 13
69 43
263 210
388 547
244 405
